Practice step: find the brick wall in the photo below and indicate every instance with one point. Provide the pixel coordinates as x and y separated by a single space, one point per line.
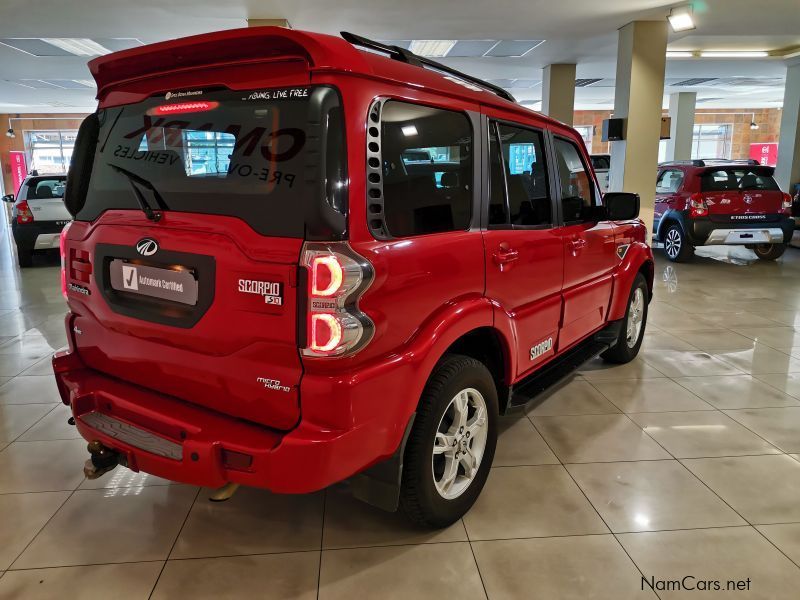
768 119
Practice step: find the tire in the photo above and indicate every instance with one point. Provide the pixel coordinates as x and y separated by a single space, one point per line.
456 379
769 251
676 246
630 337
24 257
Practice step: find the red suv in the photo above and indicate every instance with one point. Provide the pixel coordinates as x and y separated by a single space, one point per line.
708 202
295 262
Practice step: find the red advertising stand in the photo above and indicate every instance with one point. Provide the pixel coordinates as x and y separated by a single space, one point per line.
766 154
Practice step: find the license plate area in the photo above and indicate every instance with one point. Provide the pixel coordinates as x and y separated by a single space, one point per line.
748 237
186 291
175 284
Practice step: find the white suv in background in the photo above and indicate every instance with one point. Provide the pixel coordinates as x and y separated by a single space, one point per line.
602 165
38 215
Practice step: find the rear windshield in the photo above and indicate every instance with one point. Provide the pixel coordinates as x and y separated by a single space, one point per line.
755 178
41 188
268 157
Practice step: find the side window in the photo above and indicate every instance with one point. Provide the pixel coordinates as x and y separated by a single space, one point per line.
669 181
427 156
519 187
577 188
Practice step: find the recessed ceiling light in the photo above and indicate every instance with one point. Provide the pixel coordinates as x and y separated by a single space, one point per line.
78 46
734 54
432 48
680 19
679 54
513 48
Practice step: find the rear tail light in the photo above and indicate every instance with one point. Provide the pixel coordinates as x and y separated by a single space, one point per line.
698 206
24 214
337 277
786 205
62 246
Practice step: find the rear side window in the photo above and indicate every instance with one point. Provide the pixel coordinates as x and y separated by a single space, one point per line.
738 179
577 188
669 181
519 187
601 162
42 188
427 156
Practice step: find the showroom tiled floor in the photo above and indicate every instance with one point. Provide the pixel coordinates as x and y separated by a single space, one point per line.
683 462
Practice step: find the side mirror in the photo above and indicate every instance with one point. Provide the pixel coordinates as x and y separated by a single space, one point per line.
621 206
8 198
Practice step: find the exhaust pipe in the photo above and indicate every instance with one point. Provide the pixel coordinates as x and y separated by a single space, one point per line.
101 460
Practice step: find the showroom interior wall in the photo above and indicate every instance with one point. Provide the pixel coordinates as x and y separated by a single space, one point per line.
22 123
767 119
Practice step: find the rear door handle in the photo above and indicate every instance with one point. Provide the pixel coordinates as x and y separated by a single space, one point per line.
505 255
578 245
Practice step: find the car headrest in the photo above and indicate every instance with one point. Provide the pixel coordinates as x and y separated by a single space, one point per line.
450 179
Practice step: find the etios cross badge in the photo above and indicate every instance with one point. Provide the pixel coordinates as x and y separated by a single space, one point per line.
147 247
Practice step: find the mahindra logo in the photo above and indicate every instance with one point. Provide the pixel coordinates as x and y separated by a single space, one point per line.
147 247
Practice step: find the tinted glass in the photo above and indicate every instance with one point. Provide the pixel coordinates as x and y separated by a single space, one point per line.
262 156
601 162
525 173
738 179
427 169
498 209
42 188
577 188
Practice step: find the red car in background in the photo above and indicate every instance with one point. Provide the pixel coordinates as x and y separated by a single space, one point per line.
709 202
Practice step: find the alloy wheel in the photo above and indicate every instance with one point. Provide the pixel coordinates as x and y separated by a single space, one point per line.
672 245
635 318
459 443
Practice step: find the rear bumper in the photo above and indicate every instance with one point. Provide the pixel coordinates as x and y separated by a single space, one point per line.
42 235
170 438
707 232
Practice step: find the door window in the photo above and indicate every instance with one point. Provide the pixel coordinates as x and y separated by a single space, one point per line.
577 188
519 187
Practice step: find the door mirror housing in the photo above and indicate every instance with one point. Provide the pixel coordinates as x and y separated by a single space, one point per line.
8 198
621 206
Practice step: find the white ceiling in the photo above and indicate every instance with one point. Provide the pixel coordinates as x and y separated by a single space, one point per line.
582 31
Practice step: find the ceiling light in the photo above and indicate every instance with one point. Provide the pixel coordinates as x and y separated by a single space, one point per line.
409 130
78 46
432 48
753 125
679 54
680 19
10 133
734 54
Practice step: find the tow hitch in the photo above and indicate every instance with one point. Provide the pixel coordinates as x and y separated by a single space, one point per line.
102 460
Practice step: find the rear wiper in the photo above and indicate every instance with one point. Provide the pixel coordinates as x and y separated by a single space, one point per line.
134 179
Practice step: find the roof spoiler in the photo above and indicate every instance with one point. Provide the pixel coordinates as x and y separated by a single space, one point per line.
254 44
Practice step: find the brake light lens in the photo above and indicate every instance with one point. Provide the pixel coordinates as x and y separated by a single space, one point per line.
786 205
698 206
182 108
62 247
24 214
337 277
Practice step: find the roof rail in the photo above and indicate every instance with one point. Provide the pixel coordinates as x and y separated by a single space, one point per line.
693 163
743 161
406 56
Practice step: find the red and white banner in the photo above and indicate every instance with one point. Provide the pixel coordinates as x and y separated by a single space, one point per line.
766 154
19 168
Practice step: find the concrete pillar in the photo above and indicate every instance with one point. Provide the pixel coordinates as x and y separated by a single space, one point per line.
787 173
558 92
681 127
268 23
641 59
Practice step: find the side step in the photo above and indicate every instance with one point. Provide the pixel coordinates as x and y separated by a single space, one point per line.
563 366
